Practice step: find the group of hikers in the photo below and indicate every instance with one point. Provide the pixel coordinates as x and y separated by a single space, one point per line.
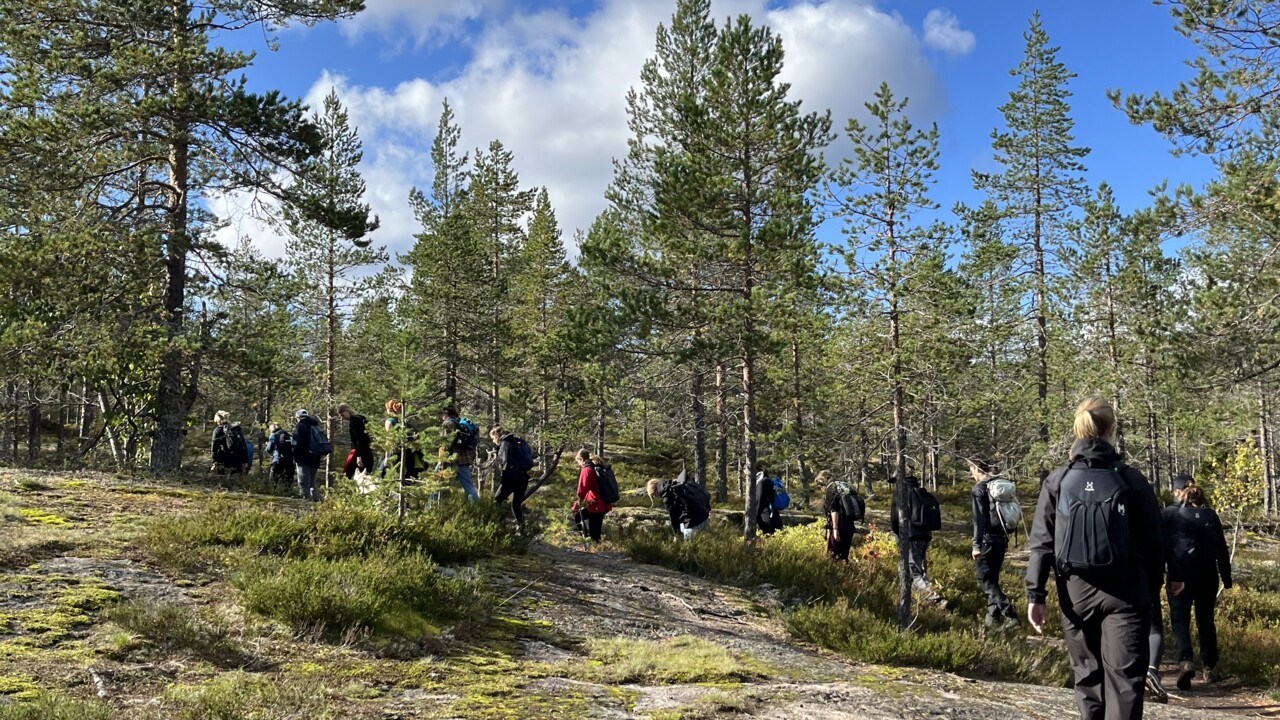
1097 529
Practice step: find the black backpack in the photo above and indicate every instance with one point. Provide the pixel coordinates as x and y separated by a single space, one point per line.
521 455
237 448
691 494
1192 533
926 512
1092 527
849 503
284 446
607 483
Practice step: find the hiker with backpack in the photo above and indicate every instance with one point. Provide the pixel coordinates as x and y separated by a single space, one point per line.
772 499
597 491
361 457
463 437
996 513
1097 528
915 516
688 506
515 459
280 447
843 507
229 449
310 447
410 458
1198 558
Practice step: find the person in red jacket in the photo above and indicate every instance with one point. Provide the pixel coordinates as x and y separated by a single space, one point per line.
589 509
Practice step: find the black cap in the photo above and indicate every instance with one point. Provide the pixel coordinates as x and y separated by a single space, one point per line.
1180 482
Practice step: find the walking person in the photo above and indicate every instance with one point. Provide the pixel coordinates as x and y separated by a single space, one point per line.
768 517
229 450
310 447
688 506
843 508
280 447
591 506
463 437
515 460
1199 559
1097 528
915 516
992 521
361 442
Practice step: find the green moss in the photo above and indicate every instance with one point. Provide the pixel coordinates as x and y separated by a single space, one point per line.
679 660
43 517
21 687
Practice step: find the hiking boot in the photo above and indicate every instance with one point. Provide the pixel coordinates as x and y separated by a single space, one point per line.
1211 676
1158 693
1186 671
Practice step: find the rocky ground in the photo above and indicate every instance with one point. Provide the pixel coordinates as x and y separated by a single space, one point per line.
587 634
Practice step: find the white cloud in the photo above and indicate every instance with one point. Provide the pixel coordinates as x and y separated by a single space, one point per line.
426 22
551 87
942 31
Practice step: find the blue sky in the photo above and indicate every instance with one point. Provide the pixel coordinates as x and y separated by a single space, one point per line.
548 79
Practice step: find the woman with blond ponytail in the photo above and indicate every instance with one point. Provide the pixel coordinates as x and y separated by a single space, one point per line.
1097 528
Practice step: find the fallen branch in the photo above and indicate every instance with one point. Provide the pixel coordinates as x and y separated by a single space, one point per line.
549 466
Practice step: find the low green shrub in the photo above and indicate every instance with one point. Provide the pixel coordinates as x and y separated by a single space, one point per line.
852 607
382 591
180 629
52 706
678 660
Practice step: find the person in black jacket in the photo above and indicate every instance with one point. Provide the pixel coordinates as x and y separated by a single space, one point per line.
990 544
305 457
768 519
513 478
1106 609
361 441
918 538
1198 557
688 518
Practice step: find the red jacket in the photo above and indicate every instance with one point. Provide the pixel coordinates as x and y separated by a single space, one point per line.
589 491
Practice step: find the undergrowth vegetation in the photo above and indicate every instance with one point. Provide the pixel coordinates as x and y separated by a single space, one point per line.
852 607
342 568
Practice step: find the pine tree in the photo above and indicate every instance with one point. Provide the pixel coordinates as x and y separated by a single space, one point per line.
326 223
146 118
894 163
1039 185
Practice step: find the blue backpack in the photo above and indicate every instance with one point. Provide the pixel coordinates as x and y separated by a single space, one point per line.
781 500
471 434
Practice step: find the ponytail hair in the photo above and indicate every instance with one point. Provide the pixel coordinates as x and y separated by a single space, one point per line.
1095 418
394 407
1194 496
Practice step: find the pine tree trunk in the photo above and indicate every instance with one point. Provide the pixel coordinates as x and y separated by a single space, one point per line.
600 427
722 438
749 435
904 559
699 431
33 425
1042 322
797 413
1153 428
173 399
330 353
64 416
1264 447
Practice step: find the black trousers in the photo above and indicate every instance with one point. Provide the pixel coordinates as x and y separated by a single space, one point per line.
1155 636
839 549
514 484
918 551
988 566
590 524
1200 593
1107 643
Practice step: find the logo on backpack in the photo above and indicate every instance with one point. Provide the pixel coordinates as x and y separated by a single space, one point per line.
1092 530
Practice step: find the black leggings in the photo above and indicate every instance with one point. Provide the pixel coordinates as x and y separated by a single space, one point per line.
1200 593
590 524
516 485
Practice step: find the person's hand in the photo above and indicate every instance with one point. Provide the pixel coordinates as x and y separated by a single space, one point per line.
1036 615
1176 588
359 463
977 553
835 534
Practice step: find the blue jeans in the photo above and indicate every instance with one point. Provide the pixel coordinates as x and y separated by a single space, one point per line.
307 482
464 480
689 532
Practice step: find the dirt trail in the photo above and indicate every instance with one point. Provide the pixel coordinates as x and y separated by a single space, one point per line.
589 594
